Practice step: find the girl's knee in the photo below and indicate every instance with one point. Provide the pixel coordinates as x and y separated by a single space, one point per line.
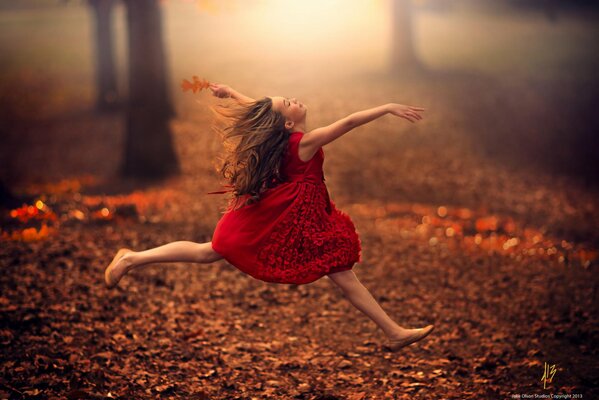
344 279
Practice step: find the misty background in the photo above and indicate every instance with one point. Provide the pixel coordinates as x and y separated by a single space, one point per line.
512 82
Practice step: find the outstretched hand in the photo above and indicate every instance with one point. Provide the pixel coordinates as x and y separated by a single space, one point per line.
221 91
408 112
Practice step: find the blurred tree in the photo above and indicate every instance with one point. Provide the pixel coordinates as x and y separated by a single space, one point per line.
106 89
403 56
149 151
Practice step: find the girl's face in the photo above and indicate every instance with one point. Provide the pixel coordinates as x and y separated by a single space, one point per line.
292 110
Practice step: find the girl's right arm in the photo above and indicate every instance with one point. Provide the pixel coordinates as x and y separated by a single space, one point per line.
317 138
225 91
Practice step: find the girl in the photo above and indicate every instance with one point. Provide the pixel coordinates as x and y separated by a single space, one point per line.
280 225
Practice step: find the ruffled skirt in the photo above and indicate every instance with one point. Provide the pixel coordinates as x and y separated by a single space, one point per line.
293 235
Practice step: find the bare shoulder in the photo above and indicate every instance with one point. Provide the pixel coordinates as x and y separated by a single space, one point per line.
307 147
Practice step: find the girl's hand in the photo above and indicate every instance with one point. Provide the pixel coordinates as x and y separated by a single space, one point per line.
408 112
221 91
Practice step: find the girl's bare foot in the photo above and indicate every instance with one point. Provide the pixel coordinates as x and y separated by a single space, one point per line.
119 266
406 337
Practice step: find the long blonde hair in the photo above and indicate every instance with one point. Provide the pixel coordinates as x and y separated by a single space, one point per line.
255 140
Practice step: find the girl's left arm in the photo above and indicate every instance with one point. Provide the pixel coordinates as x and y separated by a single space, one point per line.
321 136
226 91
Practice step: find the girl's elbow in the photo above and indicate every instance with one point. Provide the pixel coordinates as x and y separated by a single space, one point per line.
349 123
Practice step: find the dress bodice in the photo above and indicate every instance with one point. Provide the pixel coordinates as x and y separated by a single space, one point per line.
297 170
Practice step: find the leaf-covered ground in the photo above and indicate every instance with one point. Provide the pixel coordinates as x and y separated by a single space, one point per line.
499 255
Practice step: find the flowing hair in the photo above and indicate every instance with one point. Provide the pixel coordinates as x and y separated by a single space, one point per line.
255 141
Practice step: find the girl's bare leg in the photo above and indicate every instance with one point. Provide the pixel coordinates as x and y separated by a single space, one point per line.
361 298
180 251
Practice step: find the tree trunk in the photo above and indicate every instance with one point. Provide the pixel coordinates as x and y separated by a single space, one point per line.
107 95
149 151
403 55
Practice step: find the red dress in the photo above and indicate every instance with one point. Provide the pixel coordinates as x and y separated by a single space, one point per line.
294 233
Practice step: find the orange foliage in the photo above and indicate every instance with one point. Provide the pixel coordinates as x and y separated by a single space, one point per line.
103 214
145 202
30 234
196 84
39 212
474 230
486 224
27 213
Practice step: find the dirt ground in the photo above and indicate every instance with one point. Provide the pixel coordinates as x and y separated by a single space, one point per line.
500 255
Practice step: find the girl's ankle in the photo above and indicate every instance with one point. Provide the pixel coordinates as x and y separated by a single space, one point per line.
128 261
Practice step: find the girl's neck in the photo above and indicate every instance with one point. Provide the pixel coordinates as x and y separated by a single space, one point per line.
301 127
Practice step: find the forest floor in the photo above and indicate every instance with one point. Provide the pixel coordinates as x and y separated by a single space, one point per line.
500 256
